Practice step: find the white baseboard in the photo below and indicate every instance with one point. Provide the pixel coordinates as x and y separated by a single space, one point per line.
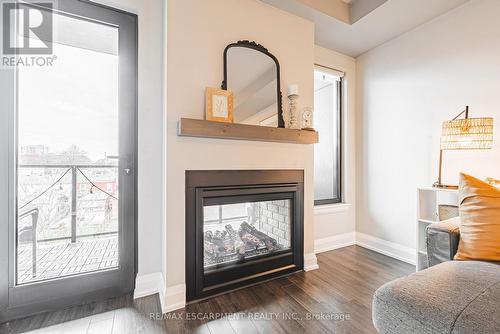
175 298
162 294
171 298
334 242
392 249
148 284
310 262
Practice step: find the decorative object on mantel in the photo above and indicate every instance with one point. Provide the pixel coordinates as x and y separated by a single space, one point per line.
307 114
252 73
293 96
464 134
218 105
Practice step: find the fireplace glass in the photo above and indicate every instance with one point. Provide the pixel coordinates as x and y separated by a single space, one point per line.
234 233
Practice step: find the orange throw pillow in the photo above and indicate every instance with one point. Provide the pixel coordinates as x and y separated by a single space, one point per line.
480 215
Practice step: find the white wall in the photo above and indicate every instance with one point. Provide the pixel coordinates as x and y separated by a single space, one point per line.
405 89
197 33
335 224
150 131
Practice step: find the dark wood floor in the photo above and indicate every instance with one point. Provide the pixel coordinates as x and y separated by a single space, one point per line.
334 299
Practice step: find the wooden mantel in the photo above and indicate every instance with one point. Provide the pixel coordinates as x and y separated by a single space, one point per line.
188 127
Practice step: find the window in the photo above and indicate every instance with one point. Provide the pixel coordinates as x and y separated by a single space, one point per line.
327 121
223 214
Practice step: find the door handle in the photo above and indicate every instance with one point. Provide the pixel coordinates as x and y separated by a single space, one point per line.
127 171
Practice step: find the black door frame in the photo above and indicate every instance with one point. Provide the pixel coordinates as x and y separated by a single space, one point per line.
23 300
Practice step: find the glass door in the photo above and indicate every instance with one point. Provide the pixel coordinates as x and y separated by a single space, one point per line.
72 170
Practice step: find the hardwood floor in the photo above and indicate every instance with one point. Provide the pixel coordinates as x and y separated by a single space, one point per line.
334 299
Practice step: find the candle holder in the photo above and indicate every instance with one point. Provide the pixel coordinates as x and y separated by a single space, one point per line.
292 113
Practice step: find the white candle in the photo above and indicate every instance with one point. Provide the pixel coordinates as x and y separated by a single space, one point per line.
293 89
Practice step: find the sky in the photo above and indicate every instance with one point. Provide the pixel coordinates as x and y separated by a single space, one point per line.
73 102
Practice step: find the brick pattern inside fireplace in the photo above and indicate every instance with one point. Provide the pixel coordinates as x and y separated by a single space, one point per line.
274 220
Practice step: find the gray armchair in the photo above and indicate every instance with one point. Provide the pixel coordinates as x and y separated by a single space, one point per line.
449 297
442 241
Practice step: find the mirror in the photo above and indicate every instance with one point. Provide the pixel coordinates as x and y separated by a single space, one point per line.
253 75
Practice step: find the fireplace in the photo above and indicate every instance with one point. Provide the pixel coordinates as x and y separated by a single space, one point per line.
242 227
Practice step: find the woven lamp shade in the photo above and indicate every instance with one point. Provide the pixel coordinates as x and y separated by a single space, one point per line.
467 134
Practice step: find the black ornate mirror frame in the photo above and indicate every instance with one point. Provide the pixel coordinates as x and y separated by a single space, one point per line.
260 48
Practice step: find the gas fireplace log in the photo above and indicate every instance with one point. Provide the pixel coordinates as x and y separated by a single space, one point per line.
247 229
210 249
215 240
228 241
239 245
249 239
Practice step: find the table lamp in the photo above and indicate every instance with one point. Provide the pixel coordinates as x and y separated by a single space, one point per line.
464 134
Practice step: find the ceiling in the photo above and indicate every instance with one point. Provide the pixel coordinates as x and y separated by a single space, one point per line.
371 25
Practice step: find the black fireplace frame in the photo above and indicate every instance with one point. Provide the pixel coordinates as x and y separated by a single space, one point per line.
233 186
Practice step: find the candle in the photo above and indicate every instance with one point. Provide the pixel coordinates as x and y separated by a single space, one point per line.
293 89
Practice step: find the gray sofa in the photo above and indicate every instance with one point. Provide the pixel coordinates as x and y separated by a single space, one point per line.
448 297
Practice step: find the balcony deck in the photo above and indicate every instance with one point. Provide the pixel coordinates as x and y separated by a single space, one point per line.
63 258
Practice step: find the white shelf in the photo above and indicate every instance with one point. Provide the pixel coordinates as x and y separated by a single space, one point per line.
429 200
438 189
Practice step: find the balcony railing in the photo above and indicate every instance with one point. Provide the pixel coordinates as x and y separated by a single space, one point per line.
75 171
37 184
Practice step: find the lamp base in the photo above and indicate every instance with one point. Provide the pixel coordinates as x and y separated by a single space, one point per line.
443 186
